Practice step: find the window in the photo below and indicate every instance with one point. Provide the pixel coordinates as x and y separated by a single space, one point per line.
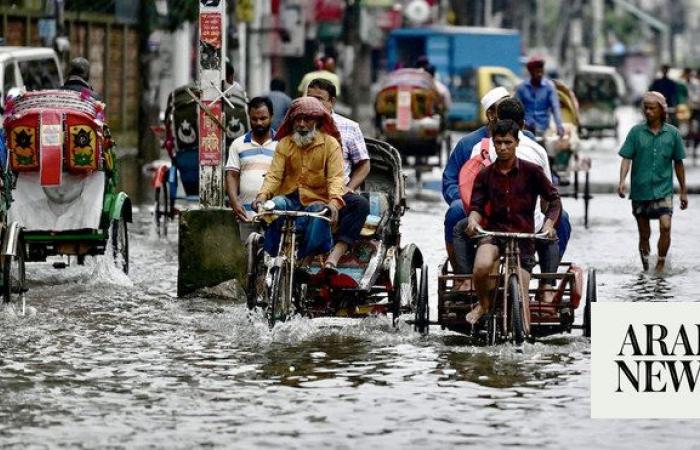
9 80
39 74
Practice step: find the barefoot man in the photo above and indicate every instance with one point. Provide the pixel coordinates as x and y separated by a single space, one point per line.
651 149
511 186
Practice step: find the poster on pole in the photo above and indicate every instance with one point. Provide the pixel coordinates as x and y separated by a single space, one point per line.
212 56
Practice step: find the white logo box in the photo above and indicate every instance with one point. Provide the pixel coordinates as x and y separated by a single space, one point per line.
655 385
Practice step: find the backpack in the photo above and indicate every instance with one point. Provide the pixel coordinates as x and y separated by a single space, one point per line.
469 171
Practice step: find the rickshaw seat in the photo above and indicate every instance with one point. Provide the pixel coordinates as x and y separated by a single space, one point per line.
378 216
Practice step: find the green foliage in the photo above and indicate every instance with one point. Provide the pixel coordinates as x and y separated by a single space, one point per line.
625 26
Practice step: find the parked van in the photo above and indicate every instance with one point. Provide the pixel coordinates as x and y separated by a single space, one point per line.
29 68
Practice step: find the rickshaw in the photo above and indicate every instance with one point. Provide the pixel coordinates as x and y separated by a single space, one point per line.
65 195
516 315
599 90
181 141
565 160
376 276
410 116
12 254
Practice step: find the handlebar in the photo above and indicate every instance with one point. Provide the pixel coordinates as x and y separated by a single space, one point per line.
273 213
503 234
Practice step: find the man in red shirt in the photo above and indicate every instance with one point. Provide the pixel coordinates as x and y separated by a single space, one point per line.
510 186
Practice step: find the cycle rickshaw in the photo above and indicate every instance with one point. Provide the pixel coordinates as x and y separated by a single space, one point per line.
181 140
12 253
514 315
566 162
410 115
376 276
65 196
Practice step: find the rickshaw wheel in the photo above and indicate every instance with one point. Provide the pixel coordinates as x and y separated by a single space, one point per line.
422 321
278 305
516 309
591 296
162 210
120 244
14 279
255 268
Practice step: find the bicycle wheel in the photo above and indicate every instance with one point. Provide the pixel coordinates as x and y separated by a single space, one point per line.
591 296
162 210
280 300
422 320
516 309
255 273
13 274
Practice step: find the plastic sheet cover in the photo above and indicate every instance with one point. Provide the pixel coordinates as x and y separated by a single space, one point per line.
75 204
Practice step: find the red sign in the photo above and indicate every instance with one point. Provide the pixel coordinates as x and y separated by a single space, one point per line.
210 29
210 136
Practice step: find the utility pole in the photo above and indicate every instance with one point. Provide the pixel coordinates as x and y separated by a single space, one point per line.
597 31
488 12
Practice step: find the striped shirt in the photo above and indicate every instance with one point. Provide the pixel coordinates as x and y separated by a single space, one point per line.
354 147
252 161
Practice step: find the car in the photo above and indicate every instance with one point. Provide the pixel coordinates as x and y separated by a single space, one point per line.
29 68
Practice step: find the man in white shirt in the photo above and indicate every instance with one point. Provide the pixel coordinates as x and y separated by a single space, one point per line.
249 159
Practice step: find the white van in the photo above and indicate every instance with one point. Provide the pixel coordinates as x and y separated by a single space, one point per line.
30 68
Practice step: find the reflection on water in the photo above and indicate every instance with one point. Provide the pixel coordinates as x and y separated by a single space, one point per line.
103 361
649 288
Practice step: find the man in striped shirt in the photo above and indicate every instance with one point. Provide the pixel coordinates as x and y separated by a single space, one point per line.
249 159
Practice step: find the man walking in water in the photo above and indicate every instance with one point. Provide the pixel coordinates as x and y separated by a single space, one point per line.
649 149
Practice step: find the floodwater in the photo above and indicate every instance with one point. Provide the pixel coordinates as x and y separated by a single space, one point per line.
101 360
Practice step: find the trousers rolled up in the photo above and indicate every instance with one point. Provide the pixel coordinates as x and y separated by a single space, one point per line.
317 237
352 218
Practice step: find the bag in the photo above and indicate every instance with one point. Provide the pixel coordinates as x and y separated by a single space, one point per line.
469 171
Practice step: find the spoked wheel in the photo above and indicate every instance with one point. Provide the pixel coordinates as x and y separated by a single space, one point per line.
591 296
161 212
14 281
516 310
255 274
120 244
491 329
280 301
422 321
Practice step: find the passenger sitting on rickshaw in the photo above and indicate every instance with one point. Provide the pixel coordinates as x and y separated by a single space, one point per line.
459 156
306 173
549 252
511 186
356 167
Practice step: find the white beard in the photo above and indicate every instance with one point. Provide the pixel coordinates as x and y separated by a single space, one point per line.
304 140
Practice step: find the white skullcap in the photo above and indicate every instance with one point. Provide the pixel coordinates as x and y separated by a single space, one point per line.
491 97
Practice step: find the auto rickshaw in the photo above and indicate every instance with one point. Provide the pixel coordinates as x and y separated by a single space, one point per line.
410 116
12 251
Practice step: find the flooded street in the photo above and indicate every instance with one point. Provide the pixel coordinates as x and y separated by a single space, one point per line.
100 360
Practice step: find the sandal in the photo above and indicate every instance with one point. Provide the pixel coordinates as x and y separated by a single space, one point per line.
330 267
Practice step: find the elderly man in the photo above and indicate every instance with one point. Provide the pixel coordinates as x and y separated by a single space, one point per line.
651 149
511 186
356 167
306 173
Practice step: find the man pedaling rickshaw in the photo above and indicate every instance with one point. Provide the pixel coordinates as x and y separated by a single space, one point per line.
306 173
511 186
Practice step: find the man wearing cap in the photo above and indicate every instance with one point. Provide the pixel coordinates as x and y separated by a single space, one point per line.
460 155
649 149
79 77
539 96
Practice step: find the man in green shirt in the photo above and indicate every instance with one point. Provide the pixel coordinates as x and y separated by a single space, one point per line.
649 149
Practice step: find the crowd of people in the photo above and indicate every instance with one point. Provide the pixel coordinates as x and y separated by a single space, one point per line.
497 176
